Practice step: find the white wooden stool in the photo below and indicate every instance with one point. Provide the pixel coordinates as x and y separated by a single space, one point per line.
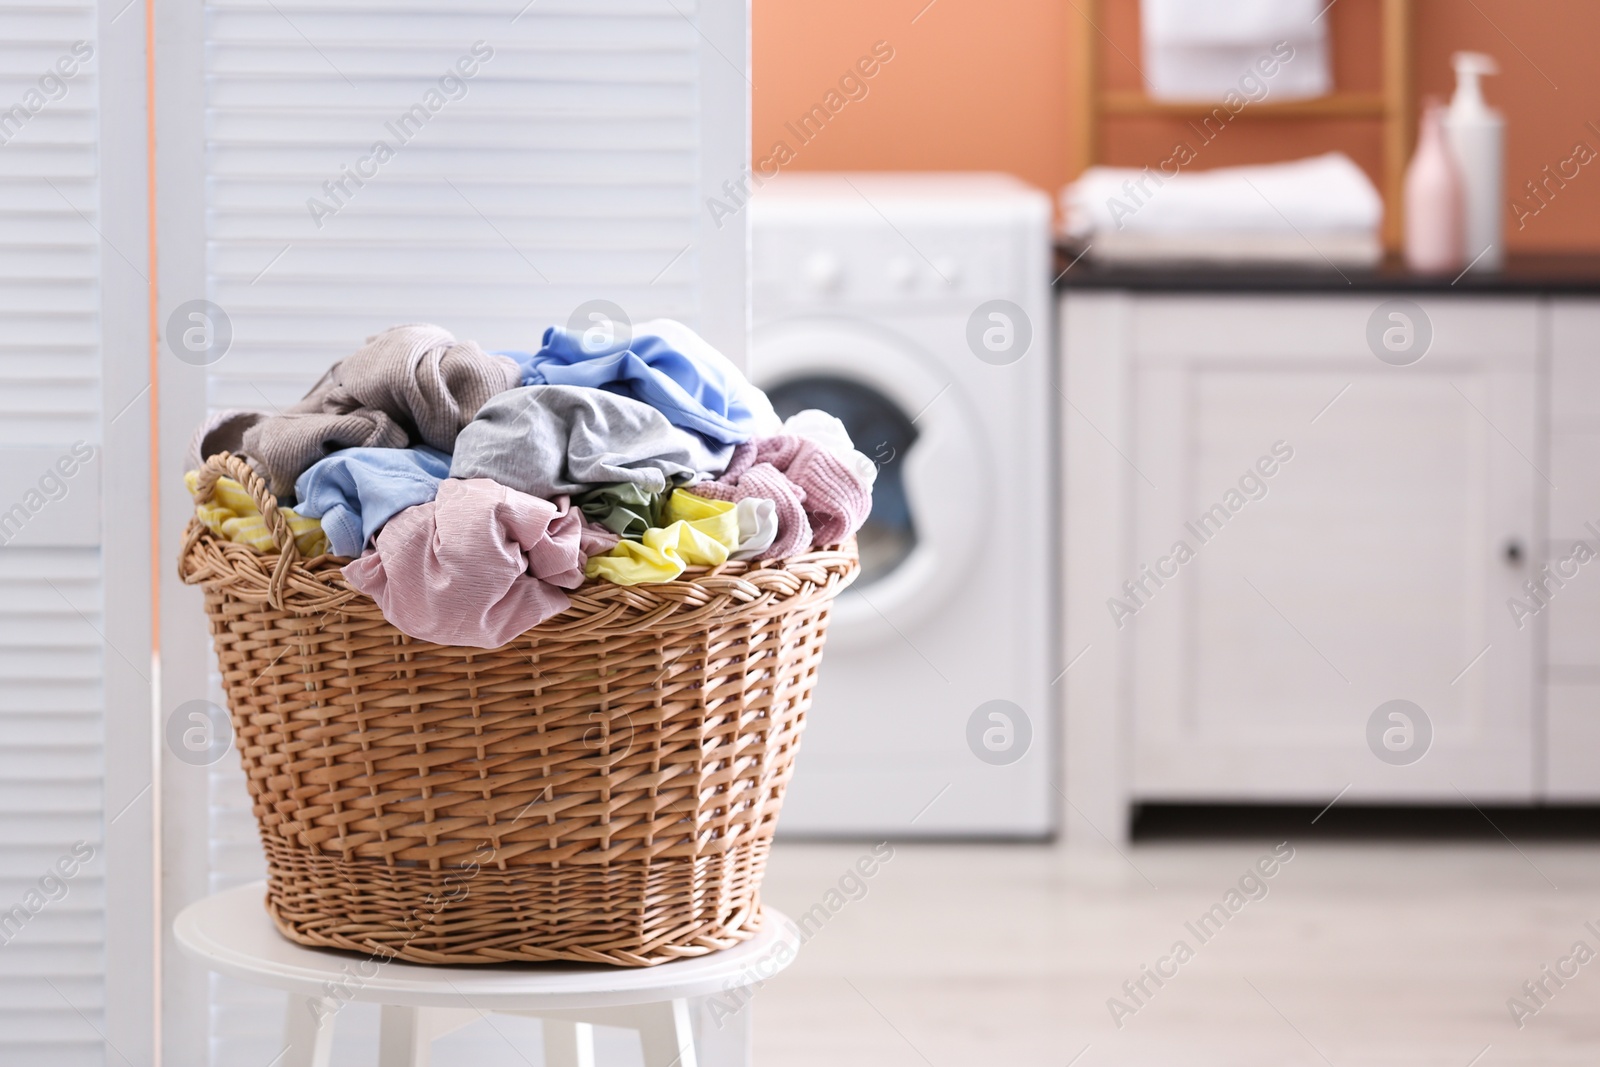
689 1013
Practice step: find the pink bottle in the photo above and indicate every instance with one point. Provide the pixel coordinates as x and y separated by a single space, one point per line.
1435 209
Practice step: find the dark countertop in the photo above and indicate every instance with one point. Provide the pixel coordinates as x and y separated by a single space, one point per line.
1538 275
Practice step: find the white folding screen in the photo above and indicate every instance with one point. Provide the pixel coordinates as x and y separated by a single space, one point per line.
51 678
75 661
330 170
487 167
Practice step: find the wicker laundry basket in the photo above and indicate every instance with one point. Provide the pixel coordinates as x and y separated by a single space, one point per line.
602 789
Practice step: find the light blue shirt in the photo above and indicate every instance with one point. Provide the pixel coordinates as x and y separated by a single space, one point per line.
665 365
355 491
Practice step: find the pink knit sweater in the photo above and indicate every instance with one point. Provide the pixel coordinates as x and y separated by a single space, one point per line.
820 500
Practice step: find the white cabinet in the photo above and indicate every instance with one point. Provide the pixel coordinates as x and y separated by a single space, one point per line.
1271 533
1571 586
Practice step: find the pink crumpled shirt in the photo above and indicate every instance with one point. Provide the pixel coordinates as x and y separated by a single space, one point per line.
819 499
478 565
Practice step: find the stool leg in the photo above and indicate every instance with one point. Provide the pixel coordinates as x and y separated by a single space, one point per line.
667 1034
403 1039
308 1032
406 1035
567 1044
722 1037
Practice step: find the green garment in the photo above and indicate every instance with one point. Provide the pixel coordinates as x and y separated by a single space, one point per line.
627 509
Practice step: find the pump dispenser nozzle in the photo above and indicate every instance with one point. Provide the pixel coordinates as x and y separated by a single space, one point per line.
1471 68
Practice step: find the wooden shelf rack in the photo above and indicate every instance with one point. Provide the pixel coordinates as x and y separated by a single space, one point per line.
1394 105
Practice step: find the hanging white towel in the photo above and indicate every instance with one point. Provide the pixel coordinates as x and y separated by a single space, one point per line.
1203 49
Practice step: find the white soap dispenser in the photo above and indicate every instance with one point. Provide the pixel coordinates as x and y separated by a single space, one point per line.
1477 137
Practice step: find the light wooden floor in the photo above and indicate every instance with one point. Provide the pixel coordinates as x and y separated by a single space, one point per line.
1387 954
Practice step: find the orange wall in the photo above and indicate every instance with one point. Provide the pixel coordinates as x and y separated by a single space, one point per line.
988 85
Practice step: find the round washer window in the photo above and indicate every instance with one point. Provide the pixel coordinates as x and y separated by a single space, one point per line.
885 433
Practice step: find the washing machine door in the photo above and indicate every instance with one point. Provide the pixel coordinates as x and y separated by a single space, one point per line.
914 422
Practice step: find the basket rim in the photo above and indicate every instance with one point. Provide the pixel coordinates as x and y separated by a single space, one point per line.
287 581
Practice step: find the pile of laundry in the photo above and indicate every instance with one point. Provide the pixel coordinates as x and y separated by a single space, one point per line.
472 489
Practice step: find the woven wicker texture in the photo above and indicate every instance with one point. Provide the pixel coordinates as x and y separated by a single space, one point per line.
602 789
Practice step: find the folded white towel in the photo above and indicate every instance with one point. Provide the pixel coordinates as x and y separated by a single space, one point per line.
1312 248
1201 49
1326 193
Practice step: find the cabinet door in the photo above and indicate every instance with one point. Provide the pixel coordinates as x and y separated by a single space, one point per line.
1354 532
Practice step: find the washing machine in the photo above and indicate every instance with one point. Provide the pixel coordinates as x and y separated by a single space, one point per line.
916 309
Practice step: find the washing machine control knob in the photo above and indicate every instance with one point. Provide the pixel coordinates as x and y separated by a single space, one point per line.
822 272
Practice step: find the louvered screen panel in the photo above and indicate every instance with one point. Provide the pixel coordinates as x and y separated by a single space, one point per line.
566 171
52 930
568 168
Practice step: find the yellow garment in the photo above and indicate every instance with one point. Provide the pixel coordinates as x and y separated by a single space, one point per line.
699 532
232 514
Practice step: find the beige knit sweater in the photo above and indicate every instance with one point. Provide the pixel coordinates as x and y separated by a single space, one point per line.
412 384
